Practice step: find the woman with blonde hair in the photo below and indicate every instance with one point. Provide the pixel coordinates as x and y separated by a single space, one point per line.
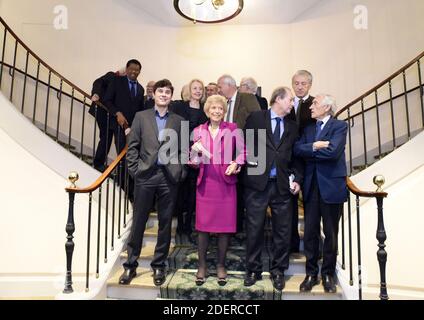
218 152
191 109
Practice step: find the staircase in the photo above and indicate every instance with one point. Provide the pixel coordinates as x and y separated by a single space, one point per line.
182 262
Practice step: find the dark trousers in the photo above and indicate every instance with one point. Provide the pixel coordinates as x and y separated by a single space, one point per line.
146 190
186 202
106 133
240 207
295 239
281 206
315 209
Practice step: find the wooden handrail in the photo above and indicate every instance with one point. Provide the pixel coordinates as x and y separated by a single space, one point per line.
367 194
41 61
382 83
103 177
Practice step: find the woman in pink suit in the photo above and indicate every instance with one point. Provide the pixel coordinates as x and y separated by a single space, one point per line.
219 152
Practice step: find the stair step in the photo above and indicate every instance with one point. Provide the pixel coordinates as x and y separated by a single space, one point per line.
142 287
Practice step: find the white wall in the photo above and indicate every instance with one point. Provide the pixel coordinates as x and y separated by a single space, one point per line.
403 170
34 211
103 34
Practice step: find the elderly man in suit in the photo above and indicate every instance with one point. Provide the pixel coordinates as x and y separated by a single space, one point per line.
272 129
155 162
322 146
301 84
240 106
249 85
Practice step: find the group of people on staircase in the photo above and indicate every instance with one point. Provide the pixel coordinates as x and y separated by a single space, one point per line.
241 158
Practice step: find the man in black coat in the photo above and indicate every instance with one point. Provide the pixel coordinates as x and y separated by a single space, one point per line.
301 84
98 93
124 98
273 138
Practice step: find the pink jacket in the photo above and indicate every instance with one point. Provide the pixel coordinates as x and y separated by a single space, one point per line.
228 147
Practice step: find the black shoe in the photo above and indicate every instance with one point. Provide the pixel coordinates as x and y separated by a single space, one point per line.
159 276
199 279
308 283
250 278
127 276
278 281
329 284
222 276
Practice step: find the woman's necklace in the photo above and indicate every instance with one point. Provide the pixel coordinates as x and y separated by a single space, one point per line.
213 130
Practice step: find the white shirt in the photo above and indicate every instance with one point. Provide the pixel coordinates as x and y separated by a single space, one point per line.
231 108
296 102
324 121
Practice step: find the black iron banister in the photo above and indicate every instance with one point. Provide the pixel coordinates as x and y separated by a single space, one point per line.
9 30
382 83
112 172
381 233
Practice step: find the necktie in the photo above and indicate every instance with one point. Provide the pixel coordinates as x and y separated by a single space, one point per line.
228 110
318 129
277 132
299 105
133 89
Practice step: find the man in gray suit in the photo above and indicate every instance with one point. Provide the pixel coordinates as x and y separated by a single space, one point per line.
154 151
240 104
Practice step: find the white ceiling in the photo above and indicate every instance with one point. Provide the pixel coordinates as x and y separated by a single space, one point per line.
254 11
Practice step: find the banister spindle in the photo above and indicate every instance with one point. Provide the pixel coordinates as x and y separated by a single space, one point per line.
70 229
381 237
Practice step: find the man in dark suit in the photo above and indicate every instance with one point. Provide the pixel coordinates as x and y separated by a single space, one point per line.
301 84
249 85
322 146
276 133
154 152
124 98
240 106
100 114
149 101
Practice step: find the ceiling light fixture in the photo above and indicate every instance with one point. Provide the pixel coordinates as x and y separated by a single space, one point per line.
208 11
